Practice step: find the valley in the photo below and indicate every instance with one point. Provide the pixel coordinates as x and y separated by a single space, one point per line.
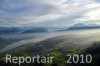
58 44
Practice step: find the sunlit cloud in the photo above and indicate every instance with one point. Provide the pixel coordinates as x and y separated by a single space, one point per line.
91 15
31 12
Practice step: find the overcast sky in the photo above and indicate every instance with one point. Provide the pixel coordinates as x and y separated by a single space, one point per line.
48 12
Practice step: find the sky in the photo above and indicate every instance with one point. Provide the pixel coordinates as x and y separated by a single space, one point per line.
52 13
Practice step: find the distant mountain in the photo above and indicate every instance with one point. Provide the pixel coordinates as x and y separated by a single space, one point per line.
18 30
93 25
9 30
80 26
36 30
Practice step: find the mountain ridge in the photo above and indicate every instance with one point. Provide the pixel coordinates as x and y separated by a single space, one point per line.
79 26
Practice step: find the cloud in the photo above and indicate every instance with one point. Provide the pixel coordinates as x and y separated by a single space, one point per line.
91 15
31 12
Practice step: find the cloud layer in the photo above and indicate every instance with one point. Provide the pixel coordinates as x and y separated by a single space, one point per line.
48 12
